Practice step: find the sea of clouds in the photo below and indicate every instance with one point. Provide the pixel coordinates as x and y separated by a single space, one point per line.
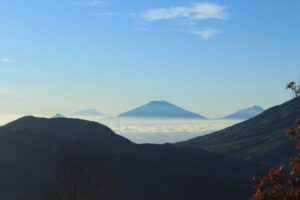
164 130
157 131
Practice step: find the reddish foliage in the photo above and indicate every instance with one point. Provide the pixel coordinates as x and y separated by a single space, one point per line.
298 145
283 183
292 132
275 178
275 175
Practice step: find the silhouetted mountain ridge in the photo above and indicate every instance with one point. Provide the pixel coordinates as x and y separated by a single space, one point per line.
260 139
75 129
30 147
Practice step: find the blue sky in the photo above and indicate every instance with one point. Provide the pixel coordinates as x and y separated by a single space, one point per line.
211 57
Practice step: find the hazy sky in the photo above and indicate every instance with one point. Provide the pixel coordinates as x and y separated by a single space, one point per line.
211 57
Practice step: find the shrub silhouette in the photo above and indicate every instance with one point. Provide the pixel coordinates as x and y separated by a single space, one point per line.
294 88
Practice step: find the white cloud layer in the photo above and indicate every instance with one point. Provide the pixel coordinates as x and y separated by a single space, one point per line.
206 33
146 130
166 131
195 11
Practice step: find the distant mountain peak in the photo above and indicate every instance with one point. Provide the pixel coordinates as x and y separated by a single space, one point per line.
257 107
246 113
160 109
59 116
88 112
160 102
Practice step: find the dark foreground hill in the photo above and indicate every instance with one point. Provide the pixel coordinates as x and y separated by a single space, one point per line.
161 109
260 139
42 159
74 129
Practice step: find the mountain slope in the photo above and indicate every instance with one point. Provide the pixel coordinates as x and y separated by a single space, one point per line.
161 109
259 139
246 113
30 148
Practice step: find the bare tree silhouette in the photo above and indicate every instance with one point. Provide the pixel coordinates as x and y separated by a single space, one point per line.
80 176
